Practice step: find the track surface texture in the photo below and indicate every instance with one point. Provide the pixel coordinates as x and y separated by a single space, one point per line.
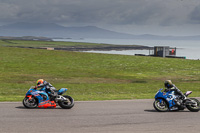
126 116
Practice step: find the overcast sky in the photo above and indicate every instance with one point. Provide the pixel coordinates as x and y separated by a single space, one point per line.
159 17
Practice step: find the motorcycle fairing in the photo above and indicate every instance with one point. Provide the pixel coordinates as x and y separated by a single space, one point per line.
168 96
188 93
47 104
39 96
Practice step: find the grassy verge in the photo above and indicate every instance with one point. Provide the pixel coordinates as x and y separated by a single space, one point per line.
93 76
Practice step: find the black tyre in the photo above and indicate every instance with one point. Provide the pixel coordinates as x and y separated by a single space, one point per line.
194 107
66 104
32 103
160 106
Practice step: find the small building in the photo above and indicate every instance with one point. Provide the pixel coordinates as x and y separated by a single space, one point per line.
50 48
164 51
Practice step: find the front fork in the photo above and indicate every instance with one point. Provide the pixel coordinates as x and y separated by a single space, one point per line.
161 102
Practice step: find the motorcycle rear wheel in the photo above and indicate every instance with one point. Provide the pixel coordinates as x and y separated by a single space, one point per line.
192 107
160 106
66 104
30 103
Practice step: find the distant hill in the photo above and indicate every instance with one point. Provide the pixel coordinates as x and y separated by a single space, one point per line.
54 30
57 31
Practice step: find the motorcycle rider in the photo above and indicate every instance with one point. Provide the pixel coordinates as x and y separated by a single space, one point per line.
48 87
171 87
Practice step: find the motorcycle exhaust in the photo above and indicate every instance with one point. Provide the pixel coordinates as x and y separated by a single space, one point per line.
58 98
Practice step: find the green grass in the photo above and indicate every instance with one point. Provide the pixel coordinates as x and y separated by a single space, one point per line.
92 76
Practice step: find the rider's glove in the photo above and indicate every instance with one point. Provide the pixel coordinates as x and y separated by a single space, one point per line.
35 87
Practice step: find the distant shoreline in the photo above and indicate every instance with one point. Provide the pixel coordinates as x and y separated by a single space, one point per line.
106 48
26 38
95 48
103 47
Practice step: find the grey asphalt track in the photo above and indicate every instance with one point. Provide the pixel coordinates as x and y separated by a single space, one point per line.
126 116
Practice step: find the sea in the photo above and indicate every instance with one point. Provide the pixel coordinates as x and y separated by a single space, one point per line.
189 49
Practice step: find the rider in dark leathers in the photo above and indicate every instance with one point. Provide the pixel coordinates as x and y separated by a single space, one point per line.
48 87
171 87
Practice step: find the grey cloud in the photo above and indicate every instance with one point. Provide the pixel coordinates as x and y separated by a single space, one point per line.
195 15
120 12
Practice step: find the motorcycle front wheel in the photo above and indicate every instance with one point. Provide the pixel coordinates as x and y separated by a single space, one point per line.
160 106
30 103
194 107
66 104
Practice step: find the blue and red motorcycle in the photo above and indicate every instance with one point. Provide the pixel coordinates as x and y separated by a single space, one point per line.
39 98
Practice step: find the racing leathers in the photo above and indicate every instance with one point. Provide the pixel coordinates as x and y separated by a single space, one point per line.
176 90
48 88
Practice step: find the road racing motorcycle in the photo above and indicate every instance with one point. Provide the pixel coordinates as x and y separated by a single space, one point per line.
39 98
168 101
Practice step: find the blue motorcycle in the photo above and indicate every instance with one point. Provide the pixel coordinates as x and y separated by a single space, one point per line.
40 98
169 101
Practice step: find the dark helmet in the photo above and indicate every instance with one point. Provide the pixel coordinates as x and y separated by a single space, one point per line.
168 84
